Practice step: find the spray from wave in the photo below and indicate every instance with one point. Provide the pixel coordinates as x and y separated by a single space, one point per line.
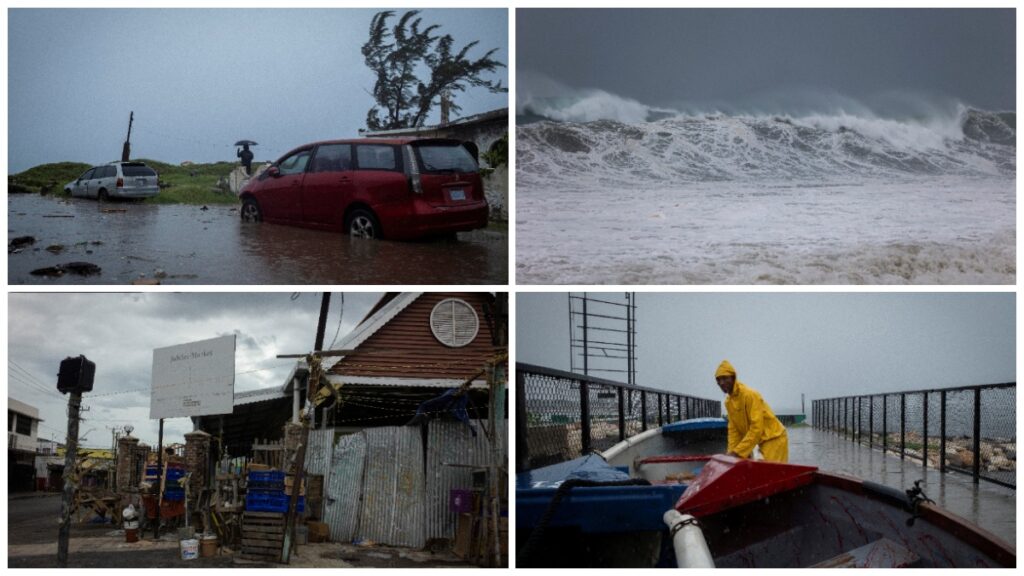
567 133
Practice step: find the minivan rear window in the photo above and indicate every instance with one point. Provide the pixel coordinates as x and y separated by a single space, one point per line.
136 170
442 158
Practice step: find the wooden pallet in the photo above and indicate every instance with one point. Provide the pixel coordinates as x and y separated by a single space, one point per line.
262 536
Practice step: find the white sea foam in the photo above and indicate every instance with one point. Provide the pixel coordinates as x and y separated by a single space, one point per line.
943 230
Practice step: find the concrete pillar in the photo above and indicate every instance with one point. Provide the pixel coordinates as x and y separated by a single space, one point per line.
124 468
197 460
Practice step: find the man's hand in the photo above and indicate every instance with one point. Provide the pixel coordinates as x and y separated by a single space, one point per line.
733 454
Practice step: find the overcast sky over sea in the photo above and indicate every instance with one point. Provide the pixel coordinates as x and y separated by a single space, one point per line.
898 62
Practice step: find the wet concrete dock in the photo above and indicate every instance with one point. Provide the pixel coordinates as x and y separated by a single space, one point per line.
990 506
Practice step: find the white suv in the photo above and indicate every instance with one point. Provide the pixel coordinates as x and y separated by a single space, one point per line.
115 180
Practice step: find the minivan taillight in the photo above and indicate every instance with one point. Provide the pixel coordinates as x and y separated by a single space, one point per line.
120 182
412 169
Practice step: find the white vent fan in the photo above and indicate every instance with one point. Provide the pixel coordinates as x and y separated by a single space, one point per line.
454 322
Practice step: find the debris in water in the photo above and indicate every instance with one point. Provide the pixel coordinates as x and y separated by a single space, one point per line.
79 268
55 248
82 268
51 272
20 242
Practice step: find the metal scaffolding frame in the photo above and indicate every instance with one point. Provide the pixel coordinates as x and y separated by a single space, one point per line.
602 333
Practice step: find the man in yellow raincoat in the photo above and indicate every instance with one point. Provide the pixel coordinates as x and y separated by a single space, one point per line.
751 421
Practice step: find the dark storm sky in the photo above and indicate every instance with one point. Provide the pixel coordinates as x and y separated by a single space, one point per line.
750 58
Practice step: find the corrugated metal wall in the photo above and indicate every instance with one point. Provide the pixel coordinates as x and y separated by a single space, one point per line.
379 487
448 444
344 487
318 455
393 488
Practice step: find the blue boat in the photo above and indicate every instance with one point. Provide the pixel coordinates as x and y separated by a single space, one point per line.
669 498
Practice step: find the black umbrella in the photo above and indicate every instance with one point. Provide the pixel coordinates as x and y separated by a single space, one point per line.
246 143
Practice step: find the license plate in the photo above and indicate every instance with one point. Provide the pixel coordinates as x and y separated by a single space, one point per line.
457 194
140 181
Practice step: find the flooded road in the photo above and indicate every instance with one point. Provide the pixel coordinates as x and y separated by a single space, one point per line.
181 244
988 505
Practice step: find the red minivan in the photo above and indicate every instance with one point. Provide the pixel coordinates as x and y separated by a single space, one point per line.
372 188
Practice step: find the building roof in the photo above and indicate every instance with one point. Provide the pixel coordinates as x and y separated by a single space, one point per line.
23 409
464 121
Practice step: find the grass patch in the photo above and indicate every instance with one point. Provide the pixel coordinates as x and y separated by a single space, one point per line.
192 194
53 176
194 184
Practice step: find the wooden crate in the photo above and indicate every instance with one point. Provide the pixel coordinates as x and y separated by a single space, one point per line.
262 536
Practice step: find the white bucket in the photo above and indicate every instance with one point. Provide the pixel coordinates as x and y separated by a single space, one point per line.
189 549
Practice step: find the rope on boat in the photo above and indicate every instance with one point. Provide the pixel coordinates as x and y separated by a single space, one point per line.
533 543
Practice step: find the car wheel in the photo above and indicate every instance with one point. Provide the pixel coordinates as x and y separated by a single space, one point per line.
363 224
251 211
102 196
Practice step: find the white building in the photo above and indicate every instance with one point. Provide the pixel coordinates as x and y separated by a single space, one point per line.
22 432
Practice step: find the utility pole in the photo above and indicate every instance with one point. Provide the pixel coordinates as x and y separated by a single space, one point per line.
496 384
126 151
70 477
160 476
315 371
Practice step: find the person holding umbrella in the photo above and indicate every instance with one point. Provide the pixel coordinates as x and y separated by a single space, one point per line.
245 154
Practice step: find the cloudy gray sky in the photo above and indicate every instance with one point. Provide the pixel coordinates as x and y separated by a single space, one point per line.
199 80
119 332
773 60
822 345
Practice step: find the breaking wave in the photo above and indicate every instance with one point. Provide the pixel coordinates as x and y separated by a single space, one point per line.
675 148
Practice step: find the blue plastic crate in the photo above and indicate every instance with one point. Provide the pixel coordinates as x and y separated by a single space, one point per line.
174 494
266 476
271 501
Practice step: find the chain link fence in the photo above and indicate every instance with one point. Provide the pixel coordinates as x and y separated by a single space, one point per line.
561 415
970 430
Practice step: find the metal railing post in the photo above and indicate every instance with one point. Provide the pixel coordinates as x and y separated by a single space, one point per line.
924 433
859 432
885 423
643 410
871 422
622 414
522 422
903 426
584 417
846 417
977 434
942 430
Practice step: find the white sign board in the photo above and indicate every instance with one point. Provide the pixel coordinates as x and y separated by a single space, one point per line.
194 379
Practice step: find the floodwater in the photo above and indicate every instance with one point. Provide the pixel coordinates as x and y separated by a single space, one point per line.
183 244
988 505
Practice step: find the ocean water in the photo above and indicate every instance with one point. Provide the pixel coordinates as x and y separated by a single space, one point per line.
735 200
